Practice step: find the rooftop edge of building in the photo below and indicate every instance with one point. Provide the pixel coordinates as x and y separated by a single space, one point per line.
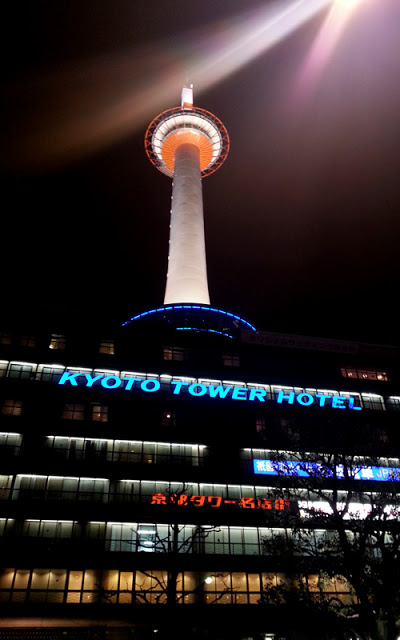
193 317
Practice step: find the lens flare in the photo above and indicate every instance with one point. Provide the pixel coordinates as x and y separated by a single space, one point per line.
328 38
71 112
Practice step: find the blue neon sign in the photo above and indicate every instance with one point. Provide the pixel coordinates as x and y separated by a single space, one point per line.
242 323
292 468
197 390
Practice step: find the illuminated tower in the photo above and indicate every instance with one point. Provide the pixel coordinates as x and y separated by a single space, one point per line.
187 144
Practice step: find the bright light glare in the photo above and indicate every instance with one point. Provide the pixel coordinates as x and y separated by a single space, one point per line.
328 37
71 117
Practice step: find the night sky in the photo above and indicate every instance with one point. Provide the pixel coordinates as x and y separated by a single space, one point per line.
302 221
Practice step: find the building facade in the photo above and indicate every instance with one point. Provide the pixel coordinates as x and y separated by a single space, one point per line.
144 476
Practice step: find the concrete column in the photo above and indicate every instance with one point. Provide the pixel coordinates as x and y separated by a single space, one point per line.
187 269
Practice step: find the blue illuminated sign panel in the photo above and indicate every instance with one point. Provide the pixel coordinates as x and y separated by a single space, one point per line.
291 468
197 390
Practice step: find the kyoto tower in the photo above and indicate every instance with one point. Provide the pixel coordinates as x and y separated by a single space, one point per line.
187 144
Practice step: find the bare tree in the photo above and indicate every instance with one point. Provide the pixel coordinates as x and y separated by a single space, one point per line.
163 586
344 529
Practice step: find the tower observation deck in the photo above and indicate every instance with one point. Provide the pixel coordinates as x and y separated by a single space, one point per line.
187 144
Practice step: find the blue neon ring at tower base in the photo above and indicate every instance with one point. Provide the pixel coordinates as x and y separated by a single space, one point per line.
187 316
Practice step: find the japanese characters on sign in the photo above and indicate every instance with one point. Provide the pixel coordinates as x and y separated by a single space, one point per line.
184 500
317 470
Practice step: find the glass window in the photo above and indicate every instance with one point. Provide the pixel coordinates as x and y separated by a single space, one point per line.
6 577
260 425
148 580
371 401
107 346
99 413
91 579
75 579
21 578
125 587
231 360
382 376
12 408
3 368
127 491
251 541
364 374
74 412
57 341
28 341
23 371
57 579
173 353
146 538
122 537
50 373
40 578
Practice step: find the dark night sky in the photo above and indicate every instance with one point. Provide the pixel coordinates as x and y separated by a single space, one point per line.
302 221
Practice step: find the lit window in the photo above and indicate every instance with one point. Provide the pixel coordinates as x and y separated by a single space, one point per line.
5 338
28 341
22 371
168 418
146 538
231 360
260 425
107 346
364 374
348 373
99 413
74 412
12 408
383 436
57 341
173 353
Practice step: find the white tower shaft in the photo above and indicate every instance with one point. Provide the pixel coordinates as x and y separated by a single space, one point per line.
187 269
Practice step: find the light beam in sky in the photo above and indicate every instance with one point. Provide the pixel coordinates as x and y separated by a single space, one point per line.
328 38
64 114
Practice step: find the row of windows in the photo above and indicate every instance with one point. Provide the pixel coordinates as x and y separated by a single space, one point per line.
53 373
57 342
157 494
31 487
132 451
71 411
250 454
131 537
139 452
128 450
364 374
179 354
79 411
114 586
96 412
